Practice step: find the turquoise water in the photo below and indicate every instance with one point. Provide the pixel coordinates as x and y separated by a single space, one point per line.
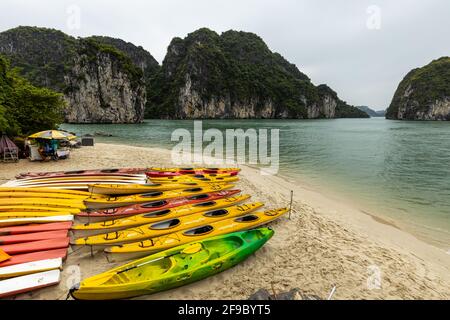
395 169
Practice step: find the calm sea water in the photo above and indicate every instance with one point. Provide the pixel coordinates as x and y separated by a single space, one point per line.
395 169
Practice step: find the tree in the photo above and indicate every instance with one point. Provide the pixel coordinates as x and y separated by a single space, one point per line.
24 108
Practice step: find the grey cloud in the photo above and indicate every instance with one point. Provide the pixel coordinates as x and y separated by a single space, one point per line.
328 40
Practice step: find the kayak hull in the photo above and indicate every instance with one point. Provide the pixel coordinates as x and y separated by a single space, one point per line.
36 236
90 229
28 220
131 210
143 248
22 284
35 256
35 228
30 267
114 202
33 246
82 172
161 228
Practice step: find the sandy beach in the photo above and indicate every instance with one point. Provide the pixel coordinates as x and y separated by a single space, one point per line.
325 243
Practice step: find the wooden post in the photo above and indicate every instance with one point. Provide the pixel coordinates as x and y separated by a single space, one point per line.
290 205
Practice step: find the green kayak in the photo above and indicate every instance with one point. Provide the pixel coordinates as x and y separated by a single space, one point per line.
174 267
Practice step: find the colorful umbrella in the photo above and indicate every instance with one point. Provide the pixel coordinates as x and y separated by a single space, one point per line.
52 134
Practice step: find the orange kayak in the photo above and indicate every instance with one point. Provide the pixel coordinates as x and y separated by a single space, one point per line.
35 236
42 245
31 228
35 256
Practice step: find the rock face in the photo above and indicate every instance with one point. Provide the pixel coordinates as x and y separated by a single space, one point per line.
205 75
100 82
424 93
235 75
100 90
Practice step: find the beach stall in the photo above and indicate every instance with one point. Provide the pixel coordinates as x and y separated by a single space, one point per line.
49 144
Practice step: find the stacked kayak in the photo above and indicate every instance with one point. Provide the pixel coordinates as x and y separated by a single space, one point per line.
174 267
142 248
156 205
96 202
184 224
155 229
34 235
151 214
127 189
35 256
196 178
76 182
165 172
78 173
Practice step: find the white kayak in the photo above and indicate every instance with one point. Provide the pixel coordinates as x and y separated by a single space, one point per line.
30 267
22 284
25 220
71 185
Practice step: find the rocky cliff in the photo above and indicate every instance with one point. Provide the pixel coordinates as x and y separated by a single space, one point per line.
103 87
424 93
100 82
235 75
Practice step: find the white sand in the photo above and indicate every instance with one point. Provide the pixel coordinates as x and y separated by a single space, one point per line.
325 243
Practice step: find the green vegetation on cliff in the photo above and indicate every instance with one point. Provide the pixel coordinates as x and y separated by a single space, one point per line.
25 108
44 56
140 57
421 88
237 67
235 72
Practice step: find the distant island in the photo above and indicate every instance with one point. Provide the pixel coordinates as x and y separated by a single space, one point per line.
371 112
424 93
203 76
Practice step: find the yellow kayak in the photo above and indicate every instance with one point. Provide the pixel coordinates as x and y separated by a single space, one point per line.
89 229
18 208
194 170
19 214
41 195
142 248
113 202
39 202
157 229
126 189
43 190
199 178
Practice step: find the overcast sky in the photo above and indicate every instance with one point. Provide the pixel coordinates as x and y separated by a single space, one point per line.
362 49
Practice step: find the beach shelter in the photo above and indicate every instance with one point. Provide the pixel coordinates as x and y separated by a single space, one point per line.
52 135
8 150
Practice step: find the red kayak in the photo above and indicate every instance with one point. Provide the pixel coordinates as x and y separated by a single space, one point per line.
31 228
121 212
160 174
32 246
36 236
35 256
81 173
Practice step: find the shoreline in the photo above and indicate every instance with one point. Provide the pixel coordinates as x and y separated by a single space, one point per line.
326 242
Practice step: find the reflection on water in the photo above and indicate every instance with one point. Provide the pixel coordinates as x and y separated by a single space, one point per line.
400 169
